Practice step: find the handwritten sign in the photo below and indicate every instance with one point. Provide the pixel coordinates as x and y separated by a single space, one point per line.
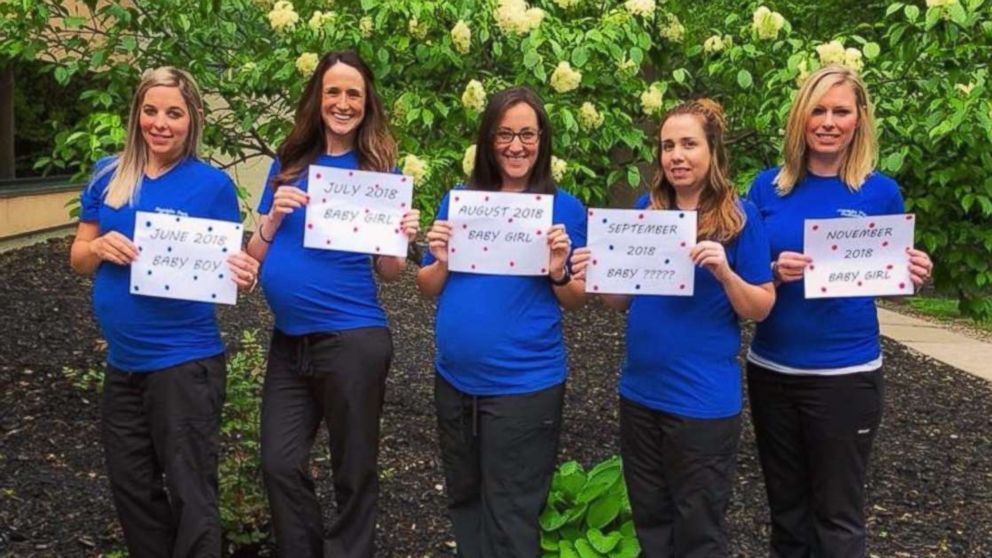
499 232
641 252
863 256
357 211
184 257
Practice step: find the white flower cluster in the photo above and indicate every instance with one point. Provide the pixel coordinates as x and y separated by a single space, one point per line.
564 78
474 97
283 16
417 29
558 168
766 23
468 161
671 29
718 43
365 25
566 4
589 117
835 53
643 8
320 19
627 67
651 100
964 89
515 17
415 167
461 37
941 3
306 63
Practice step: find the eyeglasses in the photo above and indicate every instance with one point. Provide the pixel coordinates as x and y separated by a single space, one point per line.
527 136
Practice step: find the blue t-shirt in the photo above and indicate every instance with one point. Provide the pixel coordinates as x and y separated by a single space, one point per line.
501 334
827 332
311 290
682 351
147 333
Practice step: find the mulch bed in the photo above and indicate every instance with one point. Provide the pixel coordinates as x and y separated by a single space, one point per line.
930 486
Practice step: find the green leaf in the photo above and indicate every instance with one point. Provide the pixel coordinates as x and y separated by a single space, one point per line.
566 550
602 512
603 543
531 59
74 22
871 50
744 79
633 177
585 549
62 75
912 12
580 56
893 8
551 519
680 75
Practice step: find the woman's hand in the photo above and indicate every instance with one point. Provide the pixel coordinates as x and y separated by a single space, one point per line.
920 267
114 247
286 200
244 270
580 263
713 257
560 246
410 225
790 266
437 240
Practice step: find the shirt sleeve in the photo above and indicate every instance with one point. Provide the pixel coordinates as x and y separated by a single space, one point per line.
442 215
642 202
225 206
265 203
575 220
753 253
91 198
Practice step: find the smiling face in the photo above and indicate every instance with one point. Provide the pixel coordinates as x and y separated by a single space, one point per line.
342 105
164 122
685 154
516 143
831 125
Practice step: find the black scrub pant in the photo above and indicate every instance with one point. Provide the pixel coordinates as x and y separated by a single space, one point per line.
338 378
161 438
679 473
499 456
814 435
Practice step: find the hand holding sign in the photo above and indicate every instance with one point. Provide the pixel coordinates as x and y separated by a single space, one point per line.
864 256
185 258
499 233
642 252
358 211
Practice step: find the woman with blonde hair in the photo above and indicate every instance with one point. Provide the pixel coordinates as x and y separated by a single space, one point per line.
164 386
815 365
331 347
680 387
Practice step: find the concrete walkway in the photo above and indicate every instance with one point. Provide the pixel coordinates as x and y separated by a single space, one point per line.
962 352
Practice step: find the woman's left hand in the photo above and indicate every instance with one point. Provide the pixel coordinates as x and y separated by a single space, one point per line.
410 225
244 270
561 246
713 257
920 267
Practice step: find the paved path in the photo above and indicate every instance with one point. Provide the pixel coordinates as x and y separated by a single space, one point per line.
962 352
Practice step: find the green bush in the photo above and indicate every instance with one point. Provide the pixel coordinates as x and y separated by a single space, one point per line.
588 514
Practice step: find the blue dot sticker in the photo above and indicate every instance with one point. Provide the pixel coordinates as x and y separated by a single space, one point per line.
611 246
149 272
221 275
224 249
177 219
141 249
195 277
637 287
210 229
169 249
135 288
237 227
213 296
166 287
604 219
666 260
681 215
148 223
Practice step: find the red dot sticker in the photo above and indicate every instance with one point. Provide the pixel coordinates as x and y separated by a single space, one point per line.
355 229
902 285
473 266
859 283
376 248
309 225
811 267
543 270
403 204
512 264
510 220
909 217
464 225
816 227
871 225
884 244
590 213
328 241
682 287
457 198
367 210
403 179
323 200
834 247
452 249
538 232
594 262
537 197
397 231
350 173
319 176
485 248
640 216
888 266
487 198
683 244
823 289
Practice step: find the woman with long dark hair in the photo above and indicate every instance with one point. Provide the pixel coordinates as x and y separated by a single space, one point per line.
500 355
331 347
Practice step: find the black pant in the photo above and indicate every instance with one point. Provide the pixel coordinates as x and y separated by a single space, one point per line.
338 378
814 437
679 474
499 456
166 424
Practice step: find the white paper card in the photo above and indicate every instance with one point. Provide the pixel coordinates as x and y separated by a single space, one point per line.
357 211
184 257
861 256
641 252
499 233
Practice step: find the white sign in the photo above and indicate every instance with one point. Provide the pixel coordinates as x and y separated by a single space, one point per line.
863 256
641 252
499 233
184 257
357 211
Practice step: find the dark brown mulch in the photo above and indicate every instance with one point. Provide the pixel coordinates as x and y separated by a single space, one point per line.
930 485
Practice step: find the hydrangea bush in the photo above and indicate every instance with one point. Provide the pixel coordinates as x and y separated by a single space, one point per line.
606 69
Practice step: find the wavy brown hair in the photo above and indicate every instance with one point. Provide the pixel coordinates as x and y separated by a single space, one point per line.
719 212
485 174
374 142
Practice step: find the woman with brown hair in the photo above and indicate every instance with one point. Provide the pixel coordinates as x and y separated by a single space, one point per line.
500 359
331 347
680 388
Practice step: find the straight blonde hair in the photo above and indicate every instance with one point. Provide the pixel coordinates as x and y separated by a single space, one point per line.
129 167
719 211
861 156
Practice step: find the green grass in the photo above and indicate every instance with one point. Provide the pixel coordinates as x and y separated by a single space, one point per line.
945 309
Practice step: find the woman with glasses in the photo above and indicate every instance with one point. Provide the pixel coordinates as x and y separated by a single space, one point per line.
500 358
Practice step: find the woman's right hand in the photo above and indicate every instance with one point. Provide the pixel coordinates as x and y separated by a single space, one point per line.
286 200
580 262
114 247
437 240
790 266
